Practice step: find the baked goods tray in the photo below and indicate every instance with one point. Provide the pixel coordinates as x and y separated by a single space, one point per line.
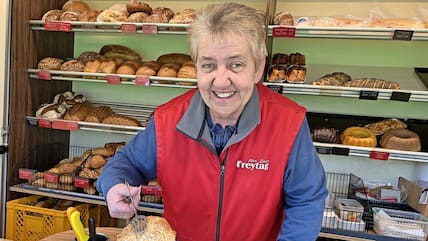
140 112
80 197
373 153
111 78
109 27
350 92
422 73
346 32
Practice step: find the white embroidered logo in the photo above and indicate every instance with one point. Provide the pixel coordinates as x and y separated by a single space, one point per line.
253 164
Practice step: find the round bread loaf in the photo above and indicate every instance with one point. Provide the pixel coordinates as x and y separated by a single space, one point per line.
76 6
52 15
137 6
50 63
325 135
400 139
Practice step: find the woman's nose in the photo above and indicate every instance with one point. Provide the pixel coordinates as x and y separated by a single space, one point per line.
221 77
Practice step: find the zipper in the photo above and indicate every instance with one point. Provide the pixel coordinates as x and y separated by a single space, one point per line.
220 196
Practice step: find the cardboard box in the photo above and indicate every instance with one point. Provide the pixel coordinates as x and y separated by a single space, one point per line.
414 193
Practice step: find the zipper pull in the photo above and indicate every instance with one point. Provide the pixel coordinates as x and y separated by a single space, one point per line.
222 170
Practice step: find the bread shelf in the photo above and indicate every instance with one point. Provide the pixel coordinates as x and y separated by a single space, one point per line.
373 153
283 88
110 27
345 33
140 112
79 197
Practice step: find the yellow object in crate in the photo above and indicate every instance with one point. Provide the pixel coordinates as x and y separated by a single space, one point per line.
26 222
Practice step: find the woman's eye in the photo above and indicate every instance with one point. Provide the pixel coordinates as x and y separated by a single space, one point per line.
236 67
207 67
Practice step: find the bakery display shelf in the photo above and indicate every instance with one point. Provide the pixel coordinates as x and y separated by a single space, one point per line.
140 112
110 27
339 234
79 197
348 33
111 78
351 92
373 153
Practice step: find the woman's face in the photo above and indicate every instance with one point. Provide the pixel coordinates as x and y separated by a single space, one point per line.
227 75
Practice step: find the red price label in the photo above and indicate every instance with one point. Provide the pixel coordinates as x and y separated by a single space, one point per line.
44 74
128 28
378 155
58 26
50 177
81 182
150 189
65 125
150 29
26 174
44 123
113 79
142 80
284 32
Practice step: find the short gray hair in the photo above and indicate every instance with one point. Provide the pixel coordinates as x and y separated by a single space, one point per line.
228 19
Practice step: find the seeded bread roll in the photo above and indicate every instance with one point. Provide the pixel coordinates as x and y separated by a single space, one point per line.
73 65
50 63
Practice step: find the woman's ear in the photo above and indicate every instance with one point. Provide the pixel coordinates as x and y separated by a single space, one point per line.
260 70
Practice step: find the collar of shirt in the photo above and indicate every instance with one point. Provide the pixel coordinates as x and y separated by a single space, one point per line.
220 136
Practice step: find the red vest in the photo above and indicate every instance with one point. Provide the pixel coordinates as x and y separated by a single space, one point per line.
251 207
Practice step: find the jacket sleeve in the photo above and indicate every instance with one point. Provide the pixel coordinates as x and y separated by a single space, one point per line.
304 191
135 163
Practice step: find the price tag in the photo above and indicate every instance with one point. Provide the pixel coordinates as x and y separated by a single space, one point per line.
50 177
128 28
150 189
58 26
379 155
284 32
276 88
340 151
44 74
81 182
405 35
65 125
400 96
368 95
26 174
113 79
32 122
142 80
44 123
150 29
323 150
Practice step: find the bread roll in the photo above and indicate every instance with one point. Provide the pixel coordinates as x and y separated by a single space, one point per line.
52 15
69 16
108 67
111 16
164 12
137 17
187 71
178 58
87 56
89 16
73 65
137 6
126 68
50 63
168 70
283 18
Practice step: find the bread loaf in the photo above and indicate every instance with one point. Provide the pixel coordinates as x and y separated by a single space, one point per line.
78 112
116 119
98 114
177 58
76 6
119 51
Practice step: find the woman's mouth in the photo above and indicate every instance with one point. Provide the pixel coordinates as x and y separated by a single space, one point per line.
224 94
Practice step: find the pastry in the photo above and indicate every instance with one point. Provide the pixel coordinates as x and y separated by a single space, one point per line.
137 17
155 229
381 127
103 151
187 71
51 111
98 114
50 63
92 66
111 16
87 56
108 67
126 68
372 83
66 179
283 18
78 112
280 58
76 6
119 7
400 139
73 65
396 23
296 74
185 16
164 12
69 16
277 73
333 79
113 146
358 136
296 59
96 161
325 135
168 70
119 51
117 119
52 15
155 18
89 16
138 6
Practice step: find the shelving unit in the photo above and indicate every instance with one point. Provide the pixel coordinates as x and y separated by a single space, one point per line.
33 41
